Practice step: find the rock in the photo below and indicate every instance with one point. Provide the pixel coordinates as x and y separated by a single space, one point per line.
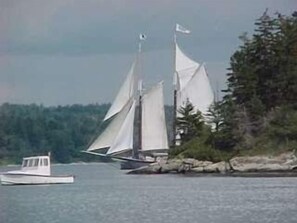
175 162
174 165
154 168
220 167
198 169
196 163
205 163
290 159
283 162
169 167
189 161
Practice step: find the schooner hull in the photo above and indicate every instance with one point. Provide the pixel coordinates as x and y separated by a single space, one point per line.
30 179
131 164
128 163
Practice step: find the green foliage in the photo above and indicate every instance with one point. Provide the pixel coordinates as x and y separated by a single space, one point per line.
27 130
64 130
264 68
214 117
199 149
279 133
258 113
190 122
262 77
283 124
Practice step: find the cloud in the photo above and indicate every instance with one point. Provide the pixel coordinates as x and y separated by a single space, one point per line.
78 51
77 27
7 92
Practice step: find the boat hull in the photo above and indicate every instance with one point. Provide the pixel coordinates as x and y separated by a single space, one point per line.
31 179
130 164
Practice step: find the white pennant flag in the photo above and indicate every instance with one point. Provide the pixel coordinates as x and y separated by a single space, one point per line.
142 36
181 29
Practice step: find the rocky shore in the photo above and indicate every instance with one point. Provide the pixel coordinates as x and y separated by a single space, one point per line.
281 165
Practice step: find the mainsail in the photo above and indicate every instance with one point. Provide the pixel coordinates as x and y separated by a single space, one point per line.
118 135
198 91
193 83
184 67
154 133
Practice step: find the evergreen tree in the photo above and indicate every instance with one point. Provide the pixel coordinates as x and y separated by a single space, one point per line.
262 77
190 122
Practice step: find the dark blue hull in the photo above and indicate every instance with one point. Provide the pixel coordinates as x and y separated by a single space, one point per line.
129 164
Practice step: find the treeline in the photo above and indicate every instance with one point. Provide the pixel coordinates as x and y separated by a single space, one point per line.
259 110
261 98
34 129
64 131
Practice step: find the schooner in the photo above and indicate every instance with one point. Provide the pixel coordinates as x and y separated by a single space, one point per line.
118 137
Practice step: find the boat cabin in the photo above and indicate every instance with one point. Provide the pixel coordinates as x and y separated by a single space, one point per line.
37 165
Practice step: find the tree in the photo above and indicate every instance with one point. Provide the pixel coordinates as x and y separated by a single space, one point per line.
190 122
262 77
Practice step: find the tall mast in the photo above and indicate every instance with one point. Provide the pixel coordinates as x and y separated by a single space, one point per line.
136 149
174 92
180 29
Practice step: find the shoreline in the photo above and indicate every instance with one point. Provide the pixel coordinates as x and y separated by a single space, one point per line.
191 173
244 166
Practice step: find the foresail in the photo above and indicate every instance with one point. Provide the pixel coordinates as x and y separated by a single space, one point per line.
125 93
198 91
154 133
107 137
124 139
184 66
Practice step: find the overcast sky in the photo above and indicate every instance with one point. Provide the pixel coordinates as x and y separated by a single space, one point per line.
58 52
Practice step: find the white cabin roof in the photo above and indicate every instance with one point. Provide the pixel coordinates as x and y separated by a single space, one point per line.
35 157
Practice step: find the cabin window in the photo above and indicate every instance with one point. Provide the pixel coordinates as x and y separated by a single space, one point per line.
45 162
41 163
25 163
36 161
30 163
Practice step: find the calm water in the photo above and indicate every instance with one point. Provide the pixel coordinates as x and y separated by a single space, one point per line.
103 193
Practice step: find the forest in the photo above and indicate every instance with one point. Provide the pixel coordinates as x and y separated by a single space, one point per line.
258 113
34 129
64 131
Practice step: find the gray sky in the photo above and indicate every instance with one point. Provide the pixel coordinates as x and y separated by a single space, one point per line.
58 52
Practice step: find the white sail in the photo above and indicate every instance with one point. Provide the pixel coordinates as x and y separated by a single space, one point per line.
126 92
124 138
198 91
106 138
184 67
154 133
